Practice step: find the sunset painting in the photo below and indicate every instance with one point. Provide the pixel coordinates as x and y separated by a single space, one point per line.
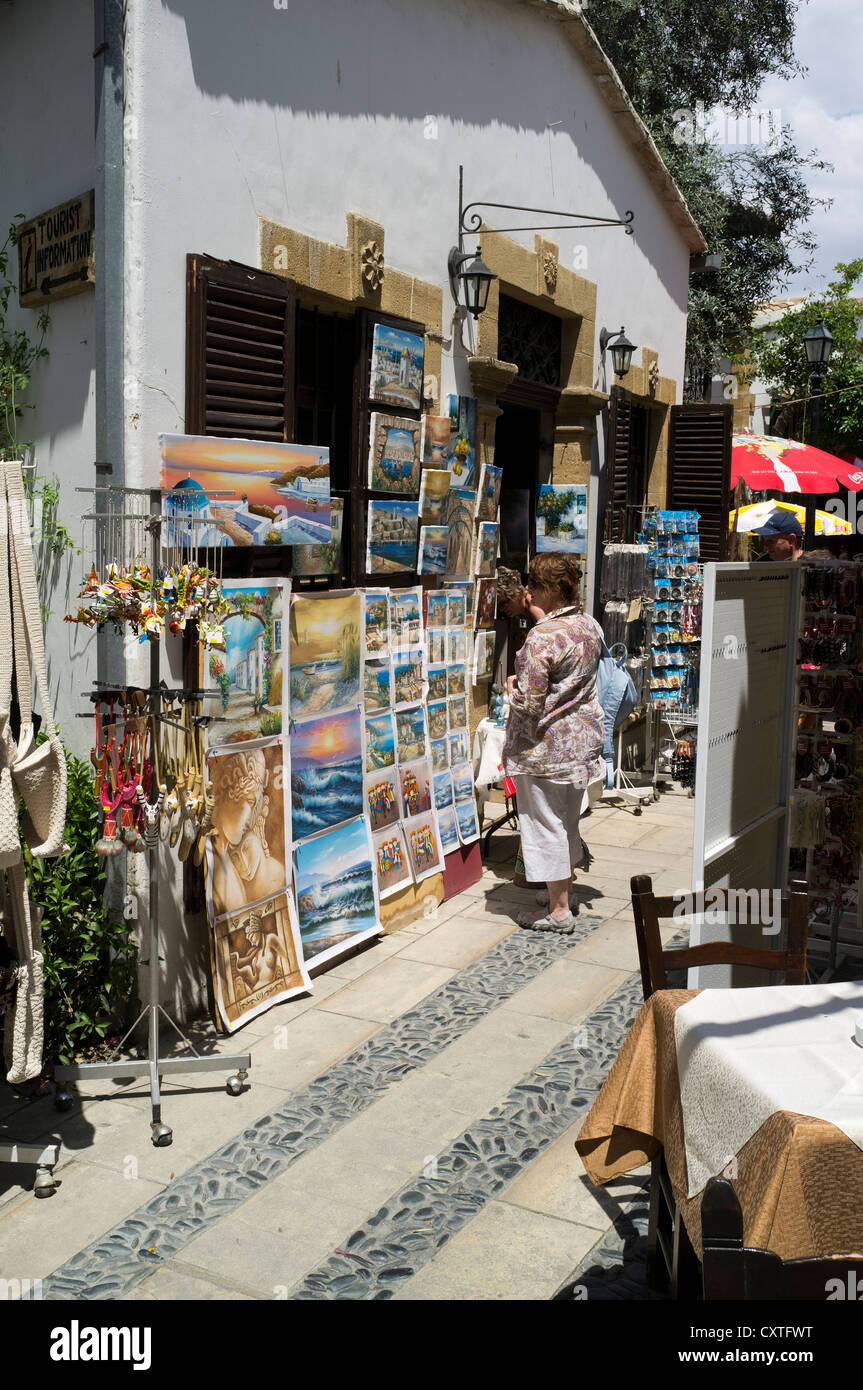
325 652
243 492
326 771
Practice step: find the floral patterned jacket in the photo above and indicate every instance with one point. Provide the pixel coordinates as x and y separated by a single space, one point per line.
555 725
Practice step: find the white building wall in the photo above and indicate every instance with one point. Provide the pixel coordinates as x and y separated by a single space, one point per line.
47 156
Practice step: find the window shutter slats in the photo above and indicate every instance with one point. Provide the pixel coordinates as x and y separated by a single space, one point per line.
699 470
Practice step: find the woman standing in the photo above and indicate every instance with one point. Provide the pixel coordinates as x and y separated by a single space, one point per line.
554 734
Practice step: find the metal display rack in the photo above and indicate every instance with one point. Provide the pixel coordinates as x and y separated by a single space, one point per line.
153 1066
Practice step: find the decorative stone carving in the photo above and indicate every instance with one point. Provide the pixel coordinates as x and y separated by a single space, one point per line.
549 271
653 377
372 259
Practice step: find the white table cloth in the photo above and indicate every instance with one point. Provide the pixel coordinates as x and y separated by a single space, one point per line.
744 1054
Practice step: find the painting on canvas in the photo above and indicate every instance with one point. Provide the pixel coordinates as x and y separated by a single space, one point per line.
326 771
393 530
561 518
461 452
459 520
456 680
248 673
462 783
486 602
434 490
466 587
423 845
515 529
435 608
436 432
437 718
380 742
436 647
336 891
408 679
448 830
394 455
326 662
442 790
382 798
411 735
433 548
456 646
467 821
416 787
406 619
483 657
376 622
377 685
455 610
396 367
246 854
243 492
439 752
391 860
488 492
258 960
459 750
457 713
486 548
311 560
437 683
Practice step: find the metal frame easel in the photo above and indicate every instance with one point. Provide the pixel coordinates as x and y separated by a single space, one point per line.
152 1066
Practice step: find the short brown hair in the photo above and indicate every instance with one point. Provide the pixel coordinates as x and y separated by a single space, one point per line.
557 571
509 585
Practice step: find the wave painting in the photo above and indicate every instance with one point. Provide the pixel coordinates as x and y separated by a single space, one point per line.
326 772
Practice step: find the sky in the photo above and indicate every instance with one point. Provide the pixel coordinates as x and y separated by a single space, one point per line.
825 110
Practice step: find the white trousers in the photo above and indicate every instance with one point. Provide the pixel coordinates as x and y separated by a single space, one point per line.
548 812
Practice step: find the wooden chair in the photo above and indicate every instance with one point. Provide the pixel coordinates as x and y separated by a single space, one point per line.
668 1242
732 1271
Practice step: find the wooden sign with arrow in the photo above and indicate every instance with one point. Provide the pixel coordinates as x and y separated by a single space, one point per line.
55 252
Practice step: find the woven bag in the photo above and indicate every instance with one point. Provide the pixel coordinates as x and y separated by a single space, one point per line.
24 1030
10 847
39 771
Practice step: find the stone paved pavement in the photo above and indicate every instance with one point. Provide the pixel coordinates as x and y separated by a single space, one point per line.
408 1129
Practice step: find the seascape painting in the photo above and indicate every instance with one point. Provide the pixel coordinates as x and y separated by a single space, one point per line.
435 441
336 897
448 830
437 718
442 790
382 798
377 685
309 560
461 451
462 783
433 549
459 519
483 658
457 712
411 735
416 787
243 492
326 662
467 821
393 530
380 742
456 680
437 683
326 772
376 622
561 518
248 673
391 860
434 491
258 960
486 548
439 753
515 529
408 679
488 492
246 854
394 455
459 748
486 603
435 608
406 624
396 367
423 845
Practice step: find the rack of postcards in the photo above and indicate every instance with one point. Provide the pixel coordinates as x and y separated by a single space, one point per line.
826 811
674 638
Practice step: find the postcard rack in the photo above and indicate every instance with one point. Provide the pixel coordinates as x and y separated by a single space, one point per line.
153 1065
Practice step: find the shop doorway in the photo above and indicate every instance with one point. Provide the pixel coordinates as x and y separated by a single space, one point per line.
516 451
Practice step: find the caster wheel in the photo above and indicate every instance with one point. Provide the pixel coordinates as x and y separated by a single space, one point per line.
234 1086
63 1101
656 793
637 811
162 1135
44 1186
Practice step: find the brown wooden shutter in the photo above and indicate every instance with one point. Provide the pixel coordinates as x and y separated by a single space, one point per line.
617 464
240 328
699 470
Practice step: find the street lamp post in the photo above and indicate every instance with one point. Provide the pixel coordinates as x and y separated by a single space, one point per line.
818 342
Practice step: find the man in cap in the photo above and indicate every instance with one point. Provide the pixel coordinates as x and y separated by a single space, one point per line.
783 536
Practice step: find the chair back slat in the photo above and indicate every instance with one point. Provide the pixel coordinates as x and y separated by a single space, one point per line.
648 911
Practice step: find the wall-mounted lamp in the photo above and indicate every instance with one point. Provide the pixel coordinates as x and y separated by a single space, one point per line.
475 278
621 350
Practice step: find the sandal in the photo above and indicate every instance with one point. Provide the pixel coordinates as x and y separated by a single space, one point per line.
563 925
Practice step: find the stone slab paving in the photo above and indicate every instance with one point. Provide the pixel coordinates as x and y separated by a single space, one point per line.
408 1127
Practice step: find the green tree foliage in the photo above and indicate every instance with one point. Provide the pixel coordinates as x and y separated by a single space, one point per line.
781 361
679 60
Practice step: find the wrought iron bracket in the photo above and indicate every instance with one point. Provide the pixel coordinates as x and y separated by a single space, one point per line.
470 223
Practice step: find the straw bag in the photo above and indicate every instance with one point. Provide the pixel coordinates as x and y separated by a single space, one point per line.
38 771
10 847
24 1030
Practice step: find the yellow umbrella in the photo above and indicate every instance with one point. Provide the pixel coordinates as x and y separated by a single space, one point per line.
759 513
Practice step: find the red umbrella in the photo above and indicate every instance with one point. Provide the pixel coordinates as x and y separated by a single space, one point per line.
766 462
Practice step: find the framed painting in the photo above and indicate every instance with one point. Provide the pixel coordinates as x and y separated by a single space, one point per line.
249 673
336 886
561 518
397 360
393 532
325 652
243 492
394 455
326 771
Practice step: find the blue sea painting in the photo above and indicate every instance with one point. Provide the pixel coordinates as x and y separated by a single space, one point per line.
468 825
393 531
462 781
380 742
433 545
335 886
326 772
442 790
448 830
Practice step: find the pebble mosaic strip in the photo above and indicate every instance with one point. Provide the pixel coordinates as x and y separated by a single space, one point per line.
127 1254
